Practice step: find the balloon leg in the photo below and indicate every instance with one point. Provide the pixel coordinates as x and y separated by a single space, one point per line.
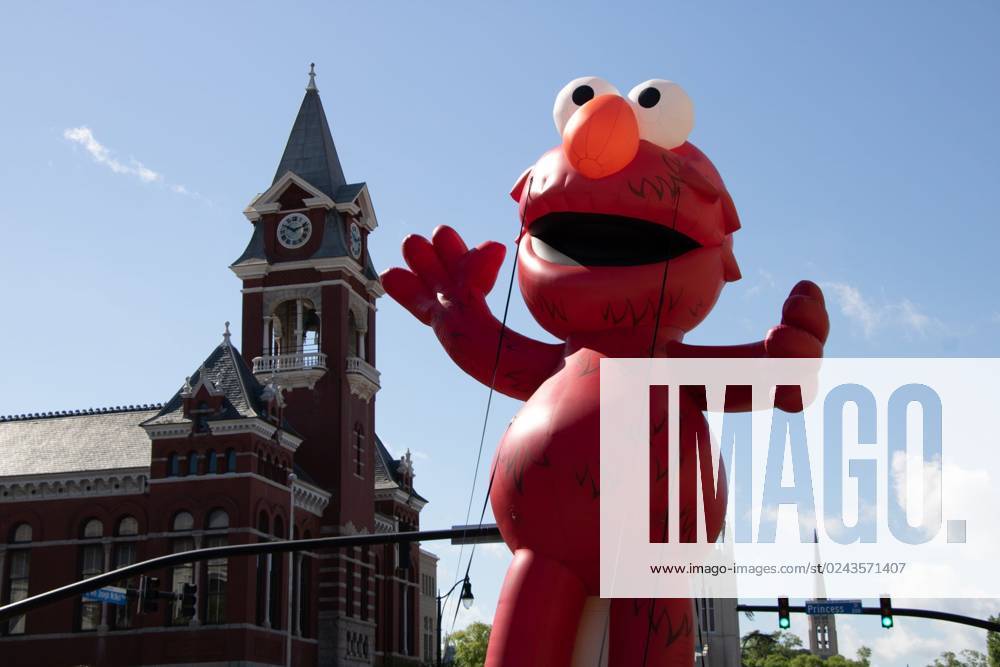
537 615
651 633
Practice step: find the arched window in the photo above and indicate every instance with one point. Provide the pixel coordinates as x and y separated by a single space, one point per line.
379 589
305 590
211 462
183 573
93 528
192 463
352 335
217 519
124 553
201 420
364 593
276 578
216 570
128 525
91 564
21 533
263 524
17 574
310 328
359 451
349 585
230 460
173 465
183 521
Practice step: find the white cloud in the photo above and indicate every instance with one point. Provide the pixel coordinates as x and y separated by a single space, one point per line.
101 154
765 281
873 317
905 642
914 479
496 549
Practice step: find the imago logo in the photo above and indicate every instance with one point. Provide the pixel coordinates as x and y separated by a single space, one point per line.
724 474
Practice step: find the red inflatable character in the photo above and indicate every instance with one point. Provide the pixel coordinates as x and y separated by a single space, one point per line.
626 243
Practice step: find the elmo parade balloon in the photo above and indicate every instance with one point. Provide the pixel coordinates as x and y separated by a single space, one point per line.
625 246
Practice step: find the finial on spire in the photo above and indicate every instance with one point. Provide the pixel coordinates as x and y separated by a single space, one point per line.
312 77
225 334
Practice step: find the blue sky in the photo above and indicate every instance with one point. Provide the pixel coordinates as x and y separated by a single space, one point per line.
857 140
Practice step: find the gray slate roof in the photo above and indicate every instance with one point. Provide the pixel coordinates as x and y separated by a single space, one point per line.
74 443
387 470
346 194
310 151
227 370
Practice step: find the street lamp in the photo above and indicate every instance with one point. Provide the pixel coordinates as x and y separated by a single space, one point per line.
467 599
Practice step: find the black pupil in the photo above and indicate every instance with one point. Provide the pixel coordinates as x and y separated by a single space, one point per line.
582 95
649 97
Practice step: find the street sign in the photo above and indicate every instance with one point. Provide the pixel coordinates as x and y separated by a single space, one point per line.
816 607
109 594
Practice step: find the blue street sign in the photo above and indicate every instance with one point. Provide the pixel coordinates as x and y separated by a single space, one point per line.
815 607
109 595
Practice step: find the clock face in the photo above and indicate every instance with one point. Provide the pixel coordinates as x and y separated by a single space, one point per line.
355 241
294 230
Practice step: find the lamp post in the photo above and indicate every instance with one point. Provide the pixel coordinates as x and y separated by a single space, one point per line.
467 599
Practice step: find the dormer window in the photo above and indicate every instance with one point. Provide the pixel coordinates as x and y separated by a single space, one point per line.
201 419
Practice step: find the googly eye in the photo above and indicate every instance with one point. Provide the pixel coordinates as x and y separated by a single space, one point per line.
575 94
664 112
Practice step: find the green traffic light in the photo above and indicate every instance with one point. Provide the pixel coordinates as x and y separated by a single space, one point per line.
785 623
887 622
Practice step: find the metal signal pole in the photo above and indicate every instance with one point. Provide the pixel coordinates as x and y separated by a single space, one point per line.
486 531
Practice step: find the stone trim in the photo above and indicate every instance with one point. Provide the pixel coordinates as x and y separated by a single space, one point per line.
310 498
116 482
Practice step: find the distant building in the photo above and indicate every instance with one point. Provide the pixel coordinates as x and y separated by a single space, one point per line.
428 607
822 627
275 440
719 631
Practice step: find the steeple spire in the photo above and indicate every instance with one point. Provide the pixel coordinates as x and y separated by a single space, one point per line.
312 78
310 152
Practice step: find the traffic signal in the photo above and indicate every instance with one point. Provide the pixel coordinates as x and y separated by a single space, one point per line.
784 622
149 594
885 608
189 600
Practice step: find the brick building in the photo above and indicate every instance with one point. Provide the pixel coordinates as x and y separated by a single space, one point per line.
271 440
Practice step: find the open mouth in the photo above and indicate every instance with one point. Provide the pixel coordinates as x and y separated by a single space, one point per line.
594 239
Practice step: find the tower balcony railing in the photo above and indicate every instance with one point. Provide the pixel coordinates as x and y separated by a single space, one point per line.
362 377
304 359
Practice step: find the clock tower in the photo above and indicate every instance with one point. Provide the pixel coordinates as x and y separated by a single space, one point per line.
309 290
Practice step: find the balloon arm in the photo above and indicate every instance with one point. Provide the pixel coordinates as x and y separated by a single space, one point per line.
738 399
470 334
746 351
794 343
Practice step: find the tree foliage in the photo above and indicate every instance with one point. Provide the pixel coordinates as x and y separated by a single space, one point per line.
967 658
784 649
470 645
993 645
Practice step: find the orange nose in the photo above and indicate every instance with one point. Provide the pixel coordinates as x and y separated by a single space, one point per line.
601 137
